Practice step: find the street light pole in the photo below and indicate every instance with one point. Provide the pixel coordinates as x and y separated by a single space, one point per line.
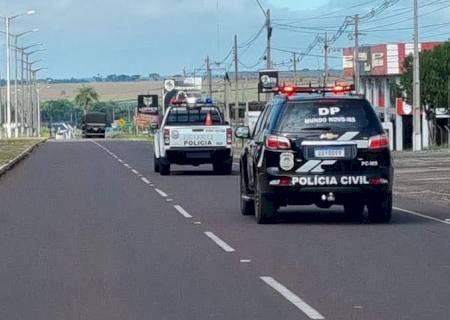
8 80
8 83
417 114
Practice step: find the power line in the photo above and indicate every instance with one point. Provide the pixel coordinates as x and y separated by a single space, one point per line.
261 7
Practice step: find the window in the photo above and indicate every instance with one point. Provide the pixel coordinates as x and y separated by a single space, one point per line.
195 116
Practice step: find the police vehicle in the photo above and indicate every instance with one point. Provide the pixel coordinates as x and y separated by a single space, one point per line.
193 132
321 146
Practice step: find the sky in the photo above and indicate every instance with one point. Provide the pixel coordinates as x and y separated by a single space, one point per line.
85 38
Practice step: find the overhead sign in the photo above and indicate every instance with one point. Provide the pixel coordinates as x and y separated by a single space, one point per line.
148 104
268 79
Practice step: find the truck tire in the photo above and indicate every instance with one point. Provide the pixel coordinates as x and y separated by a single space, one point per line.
265 208
354 210
164 168
247 203
155 163
380 209
224 168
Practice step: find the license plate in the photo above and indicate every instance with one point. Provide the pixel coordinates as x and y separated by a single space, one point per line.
197 155
329 152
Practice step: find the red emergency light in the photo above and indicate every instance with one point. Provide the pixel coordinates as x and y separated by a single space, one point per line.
290 90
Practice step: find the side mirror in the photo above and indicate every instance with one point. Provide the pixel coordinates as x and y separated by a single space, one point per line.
242 132
154 126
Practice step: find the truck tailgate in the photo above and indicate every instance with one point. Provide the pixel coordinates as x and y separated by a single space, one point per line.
198 136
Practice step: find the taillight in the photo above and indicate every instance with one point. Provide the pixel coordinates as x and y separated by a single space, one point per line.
277 143
378 142
229 136
166 136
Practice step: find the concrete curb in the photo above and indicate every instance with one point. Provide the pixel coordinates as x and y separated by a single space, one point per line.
8 166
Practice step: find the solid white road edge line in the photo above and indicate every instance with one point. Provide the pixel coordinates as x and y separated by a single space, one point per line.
219 242
292 298
183 212
421 215
145 180
161 193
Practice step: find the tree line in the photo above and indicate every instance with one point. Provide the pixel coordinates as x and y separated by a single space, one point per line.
86 99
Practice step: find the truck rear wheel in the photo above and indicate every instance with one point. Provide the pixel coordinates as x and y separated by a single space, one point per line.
354 210
265 208
247 203
380 209
224 168
155 163
164 168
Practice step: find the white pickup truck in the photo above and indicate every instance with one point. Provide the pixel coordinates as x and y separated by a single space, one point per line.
193 135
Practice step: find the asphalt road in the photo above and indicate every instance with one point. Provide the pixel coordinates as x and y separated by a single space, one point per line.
88 231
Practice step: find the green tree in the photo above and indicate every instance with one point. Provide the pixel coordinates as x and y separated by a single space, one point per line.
59 111
434 82
86 97
434 77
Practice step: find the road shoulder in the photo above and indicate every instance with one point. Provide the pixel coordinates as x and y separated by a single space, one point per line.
20 153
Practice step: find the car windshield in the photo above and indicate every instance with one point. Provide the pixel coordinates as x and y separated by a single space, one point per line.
193 116
328 114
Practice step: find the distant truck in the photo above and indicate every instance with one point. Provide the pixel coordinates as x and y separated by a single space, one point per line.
93 124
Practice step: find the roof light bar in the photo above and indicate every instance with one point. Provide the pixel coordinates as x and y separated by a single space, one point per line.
191 101
290 90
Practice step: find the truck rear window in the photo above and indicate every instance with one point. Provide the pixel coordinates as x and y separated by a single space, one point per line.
328 114
193 116
95 118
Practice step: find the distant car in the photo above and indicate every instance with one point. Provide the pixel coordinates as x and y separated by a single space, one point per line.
93 124
324 148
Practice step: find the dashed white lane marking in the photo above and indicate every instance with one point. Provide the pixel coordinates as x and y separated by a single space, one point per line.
245 261
126 165
134 171
169 200
120 160
161 193
181 210
145 180
293 298
219 242
422 215
197 222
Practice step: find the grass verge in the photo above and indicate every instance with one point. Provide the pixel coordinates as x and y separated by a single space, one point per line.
11 148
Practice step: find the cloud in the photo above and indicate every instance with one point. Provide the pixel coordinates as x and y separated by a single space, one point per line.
86 37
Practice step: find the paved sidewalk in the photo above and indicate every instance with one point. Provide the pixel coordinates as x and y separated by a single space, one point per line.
423 176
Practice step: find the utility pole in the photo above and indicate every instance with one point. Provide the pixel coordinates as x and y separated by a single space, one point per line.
225 97
417 114
236 73
269 45
209 76
356 55
325 63
8 82
269 40
295 67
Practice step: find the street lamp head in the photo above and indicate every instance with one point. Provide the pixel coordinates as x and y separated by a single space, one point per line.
30 12
35 30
